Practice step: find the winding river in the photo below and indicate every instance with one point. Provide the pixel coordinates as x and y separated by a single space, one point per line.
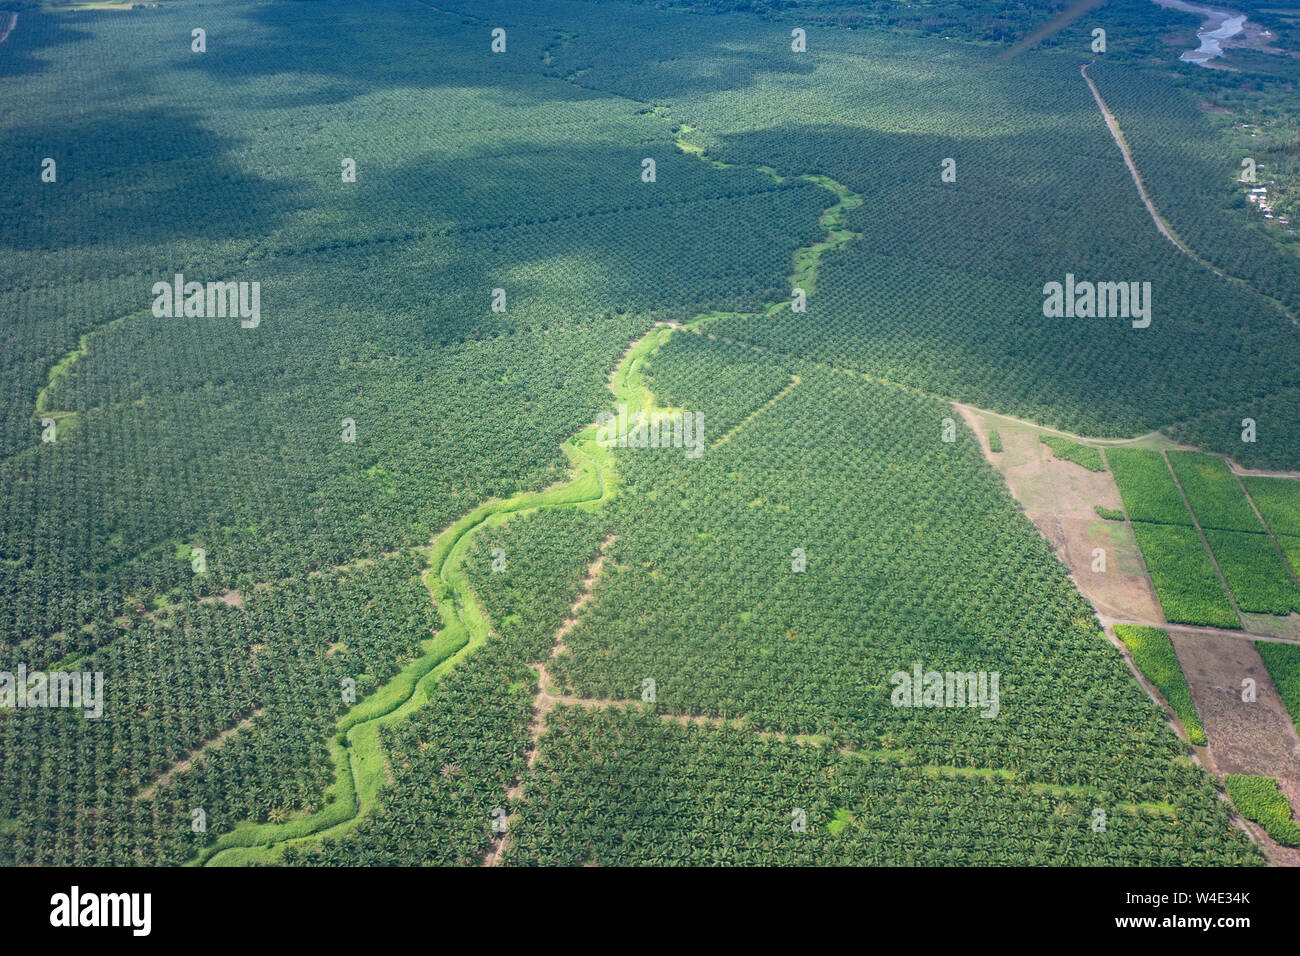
1220 25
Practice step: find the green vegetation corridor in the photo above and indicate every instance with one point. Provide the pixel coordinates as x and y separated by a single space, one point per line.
356 753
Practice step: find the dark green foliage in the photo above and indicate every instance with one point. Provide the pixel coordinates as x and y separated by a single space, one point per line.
1283 663
522 172
1191 179
1213 491
205 667
1110 514
1276 444
876 317
546 555
454 761
375 295
706 599
723 381
1278 500
375 306
1290 545
1256 574
626 788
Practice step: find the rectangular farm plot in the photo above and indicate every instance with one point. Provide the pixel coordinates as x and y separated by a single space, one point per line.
1212 489
1278 500
1283 663
1183 577
1147 487
1084 455
1256 574
1153 653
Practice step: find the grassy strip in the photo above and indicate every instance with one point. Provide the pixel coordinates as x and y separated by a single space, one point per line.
1258 799
1153 653
1216 498
1255 572
1110 514
807 259
355 750
357 758
1278 500
1283 663
1147 487
1184 579
1084 455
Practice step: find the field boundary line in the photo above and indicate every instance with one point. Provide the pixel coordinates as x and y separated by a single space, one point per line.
543 701
819 741
795 380
1268 530
1205 542
1128 523
1202 629
198 754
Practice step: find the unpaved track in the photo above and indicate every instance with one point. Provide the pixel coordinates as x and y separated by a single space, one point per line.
1162 224
544 702
1155 435
198 754
1242 737
1165 229
1194 629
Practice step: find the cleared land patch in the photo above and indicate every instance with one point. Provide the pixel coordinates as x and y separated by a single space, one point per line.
1244 736
1084 455
1061 499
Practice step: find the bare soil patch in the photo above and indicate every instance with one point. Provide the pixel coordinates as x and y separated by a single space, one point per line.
1060 498
1243 737
1270 625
